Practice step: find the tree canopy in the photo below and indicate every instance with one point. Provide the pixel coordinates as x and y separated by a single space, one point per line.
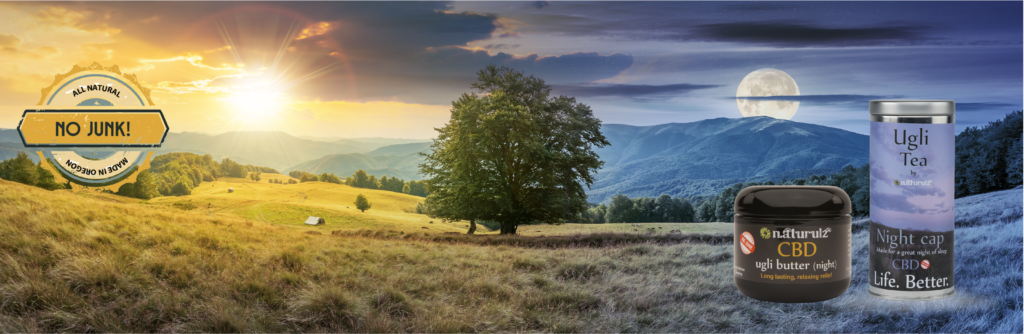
513 154
362 203
663 208
989 158
853 180
21 169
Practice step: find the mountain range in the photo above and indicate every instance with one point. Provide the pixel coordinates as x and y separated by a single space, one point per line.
679 159
699 158
400 161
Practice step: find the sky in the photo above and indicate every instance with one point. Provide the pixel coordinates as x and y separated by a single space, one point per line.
392 69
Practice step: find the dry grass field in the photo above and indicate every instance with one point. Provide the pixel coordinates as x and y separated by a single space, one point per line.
74 262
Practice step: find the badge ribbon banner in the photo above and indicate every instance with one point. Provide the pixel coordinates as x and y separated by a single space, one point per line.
93 108
92 128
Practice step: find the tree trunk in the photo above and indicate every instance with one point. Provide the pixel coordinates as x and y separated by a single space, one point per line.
509 227
472 226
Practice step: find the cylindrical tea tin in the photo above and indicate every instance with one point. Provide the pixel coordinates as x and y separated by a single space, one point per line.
911 241
792 243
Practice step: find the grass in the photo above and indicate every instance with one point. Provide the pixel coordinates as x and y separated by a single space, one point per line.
595 240
290 204
76 263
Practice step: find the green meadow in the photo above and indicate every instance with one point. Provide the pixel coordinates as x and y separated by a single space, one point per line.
290 205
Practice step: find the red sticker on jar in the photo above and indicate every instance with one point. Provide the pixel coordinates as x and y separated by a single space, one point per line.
925 264
746 243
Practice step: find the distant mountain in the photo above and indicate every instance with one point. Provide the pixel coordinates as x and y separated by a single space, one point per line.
274 149
699 158
10 150
405 167
10 144
402 149
400 160
10 136
365 144
385 141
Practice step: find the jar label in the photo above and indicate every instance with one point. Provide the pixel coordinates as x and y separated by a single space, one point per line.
791 254
911 241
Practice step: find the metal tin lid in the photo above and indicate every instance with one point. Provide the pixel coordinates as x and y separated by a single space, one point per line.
912 107
792 201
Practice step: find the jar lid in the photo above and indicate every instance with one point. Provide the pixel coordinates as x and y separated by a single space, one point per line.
792 201
912 107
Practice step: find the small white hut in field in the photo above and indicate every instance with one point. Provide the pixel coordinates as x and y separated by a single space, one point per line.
315 221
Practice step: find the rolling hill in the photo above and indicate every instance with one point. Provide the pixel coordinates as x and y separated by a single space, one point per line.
291 204
10 150
698 158
365 144
400 161
274 149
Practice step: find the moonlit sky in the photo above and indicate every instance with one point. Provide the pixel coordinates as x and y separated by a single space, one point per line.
391 69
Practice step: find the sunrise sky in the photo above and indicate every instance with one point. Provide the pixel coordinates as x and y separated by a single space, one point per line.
391 69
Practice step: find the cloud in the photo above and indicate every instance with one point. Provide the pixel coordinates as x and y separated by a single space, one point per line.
411 52
500 46
986 106
853 101
317 29
9 40
540 4
47 51
760 7
842 100
635 92
572 67
795 35
57 15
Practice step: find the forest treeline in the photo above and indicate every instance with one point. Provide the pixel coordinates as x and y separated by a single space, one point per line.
21 169
854 181
360 179
718 208
310 177
171 174
989 158
176 174
623 209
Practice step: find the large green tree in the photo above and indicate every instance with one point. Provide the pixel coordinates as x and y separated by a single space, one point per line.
513 154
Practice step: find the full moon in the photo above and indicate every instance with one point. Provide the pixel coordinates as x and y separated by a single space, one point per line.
767 82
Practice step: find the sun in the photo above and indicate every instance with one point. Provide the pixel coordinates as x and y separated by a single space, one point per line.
256 105
259 100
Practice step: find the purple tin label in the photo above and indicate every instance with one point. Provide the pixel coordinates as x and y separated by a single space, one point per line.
911 206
